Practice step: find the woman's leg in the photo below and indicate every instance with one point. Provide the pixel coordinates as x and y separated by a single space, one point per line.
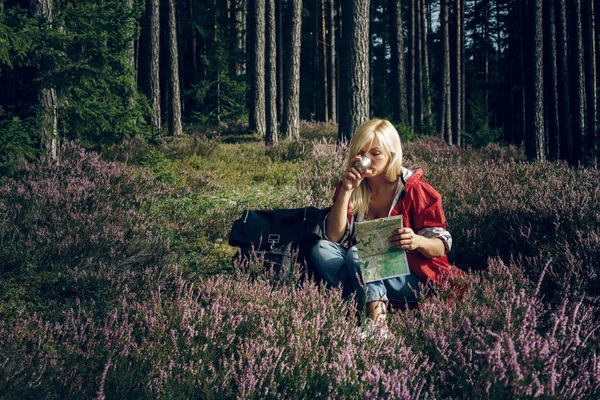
403 288
329 261
376 294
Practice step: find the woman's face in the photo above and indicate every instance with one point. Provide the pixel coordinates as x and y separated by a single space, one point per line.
379 158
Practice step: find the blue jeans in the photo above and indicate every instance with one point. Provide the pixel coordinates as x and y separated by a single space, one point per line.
338 266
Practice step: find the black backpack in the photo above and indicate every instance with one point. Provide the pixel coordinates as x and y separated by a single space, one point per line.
281 238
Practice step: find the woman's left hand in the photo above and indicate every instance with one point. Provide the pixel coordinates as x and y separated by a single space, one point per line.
405 238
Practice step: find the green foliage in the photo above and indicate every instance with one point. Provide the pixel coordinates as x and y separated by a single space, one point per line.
479 133
19 37
17 138
98 100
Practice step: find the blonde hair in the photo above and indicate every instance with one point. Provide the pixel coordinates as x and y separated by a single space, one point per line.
389 141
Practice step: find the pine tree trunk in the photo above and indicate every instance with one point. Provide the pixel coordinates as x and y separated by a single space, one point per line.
535 145
331 64
42 10
154 82
410 70
587 13
256 55
354 89
444 130
425 61
291 105
323 59
577 78
455 70
562 64
418 103
271 74
175 127
279 37
551 81
397 63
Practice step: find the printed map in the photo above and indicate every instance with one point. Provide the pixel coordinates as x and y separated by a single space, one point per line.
378 259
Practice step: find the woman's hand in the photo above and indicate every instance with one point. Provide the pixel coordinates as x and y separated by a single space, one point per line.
405 238
352 178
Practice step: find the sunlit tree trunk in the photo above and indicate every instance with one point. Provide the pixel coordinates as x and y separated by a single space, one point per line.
562 80
418 102
354 88
331 64
410 68
256 55
42 10
425 61
443 122
175 126
154 82
535 145
271 74
279 38
291 106
398 77
455 70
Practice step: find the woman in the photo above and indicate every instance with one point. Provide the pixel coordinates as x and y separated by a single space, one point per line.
384 189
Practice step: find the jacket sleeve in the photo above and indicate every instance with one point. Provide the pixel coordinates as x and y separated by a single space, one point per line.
427 209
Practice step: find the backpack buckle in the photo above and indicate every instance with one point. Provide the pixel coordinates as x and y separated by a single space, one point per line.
273 239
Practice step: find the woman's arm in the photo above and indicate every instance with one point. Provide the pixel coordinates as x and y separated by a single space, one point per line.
338 216
407 239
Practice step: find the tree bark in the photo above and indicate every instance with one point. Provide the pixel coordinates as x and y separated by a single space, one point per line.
42 10
535 145
418 102
175 127
271 74
577 78
154 77
323 59
279 19
587 13
455 70
291 106
331 64
354 89
425 61
562 64
256 27
551 82
398 77
443 127
410 70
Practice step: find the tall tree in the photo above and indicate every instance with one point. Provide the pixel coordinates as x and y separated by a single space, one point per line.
577 86
271 74
418 52
551 97
154 77
331 64
535 145
175 126
323 59
291 106
587 12
354 68
410 69
42 10
425 60
398 77
562 61
256 54
455 72
443 118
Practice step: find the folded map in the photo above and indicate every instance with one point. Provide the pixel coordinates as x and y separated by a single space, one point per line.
378 259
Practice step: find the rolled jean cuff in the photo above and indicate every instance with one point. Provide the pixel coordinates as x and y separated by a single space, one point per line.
376 291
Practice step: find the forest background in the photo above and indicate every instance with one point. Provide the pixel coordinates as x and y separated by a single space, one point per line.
132 134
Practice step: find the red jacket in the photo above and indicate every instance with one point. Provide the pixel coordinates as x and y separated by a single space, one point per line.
421 207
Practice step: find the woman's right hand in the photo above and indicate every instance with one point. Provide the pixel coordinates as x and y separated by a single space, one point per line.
352 178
